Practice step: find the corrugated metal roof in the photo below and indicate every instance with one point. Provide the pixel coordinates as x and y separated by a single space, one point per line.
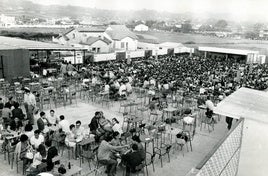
246 103
227 50
171 44
119 32
9 42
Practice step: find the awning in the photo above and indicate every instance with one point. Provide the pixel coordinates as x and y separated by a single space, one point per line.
245 103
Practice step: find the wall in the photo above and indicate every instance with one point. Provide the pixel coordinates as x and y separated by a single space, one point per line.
104 47
132 44
16 63
104 57
254 153
223 160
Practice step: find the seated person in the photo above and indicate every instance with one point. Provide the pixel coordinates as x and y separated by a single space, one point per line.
71 138
79 130
39 158
28 130
94 124
51 153
37 139
42 122
105 152
104 123
15 125
52 119
64 124
116 126
133 160
116 139
141 150
23 148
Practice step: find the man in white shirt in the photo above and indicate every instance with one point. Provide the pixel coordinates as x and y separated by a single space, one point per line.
209 104
128 88
79 130
64 124
37 139
122 89
52 119
30 104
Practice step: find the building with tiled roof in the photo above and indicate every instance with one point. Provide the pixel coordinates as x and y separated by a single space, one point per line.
122 38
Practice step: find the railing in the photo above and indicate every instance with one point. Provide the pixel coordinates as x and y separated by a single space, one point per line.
223 160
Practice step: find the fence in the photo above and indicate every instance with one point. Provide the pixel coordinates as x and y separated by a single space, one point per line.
223 160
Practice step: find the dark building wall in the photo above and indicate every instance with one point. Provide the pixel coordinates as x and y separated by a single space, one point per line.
16 63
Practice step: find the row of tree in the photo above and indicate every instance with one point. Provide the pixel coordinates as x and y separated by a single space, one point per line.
28 35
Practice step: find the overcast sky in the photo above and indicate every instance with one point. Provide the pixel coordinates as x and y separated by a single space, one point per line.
237 9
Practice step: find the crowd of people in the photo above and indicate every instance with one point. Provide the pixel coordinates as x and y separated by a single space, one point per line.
205 78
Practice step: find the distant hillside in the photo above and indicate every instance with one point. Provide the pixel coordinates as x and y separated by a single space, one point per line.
20 8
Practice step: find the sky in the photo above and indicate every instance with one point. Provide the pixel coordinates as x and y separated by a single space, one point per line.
236 9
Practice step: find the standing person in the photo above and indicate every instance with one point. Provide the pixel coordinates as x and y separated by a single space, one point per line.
70 69
30 104
6 115
229 121
63 68
17 112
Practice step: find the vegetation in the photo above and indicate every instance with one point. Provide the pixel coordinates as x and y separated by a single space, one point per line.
28 35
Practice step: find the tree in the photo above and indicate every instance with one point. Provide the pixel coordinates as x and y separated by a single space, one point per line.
221 24
186 27
251 35
150 23
257 27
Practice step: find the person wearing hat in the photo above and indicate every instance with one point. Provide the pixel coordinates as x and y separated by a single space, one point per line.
30 104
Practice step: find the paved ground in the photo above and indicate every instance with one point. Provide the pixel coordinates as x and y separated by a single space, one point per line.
180 165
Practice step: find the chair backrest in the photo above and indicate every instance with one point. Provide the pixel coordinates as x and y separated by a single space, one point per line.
55 159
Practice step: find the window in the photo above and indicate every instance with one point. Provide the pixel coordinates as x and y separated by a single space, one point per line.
73 36
94 49
122 45
98 50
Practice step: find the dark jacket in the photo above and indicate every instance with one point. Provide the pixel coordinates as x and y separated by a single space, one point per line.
132 160
40 124
51 153
17 112
14 126
94 124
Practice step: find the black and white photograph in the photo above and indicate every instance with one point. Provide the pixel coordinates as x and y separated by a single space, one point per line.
133 87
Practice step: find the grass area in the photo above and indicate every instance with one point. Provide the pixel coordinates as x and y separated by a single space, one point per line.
34 30
196 40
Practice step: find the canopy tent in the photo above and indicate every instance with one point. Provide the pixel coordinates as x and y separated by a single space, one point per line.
245 103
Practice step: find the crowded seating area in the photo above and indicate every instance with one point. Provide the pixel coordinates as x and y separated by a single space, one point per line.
145 113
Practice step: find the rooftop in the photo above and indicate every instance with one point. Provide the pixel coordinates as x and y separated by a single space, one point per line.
227 50
11 43
119 32
91 40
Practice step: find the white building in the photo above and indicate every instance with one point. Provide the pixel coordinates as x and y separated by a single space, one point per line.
7 21
92 38
97 45
122 38
141 27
